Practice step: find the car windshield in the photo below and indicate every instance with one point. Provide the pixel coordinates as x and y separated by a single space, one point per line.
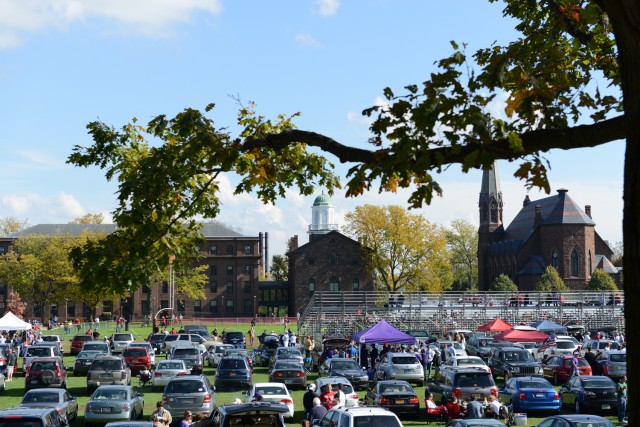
50 338
346 388
182 351
170 365
473 380
220 349
234 335
122 337
178 387
288 352
288 365
396 388
109 394
376 421
271 390
38 352
106 365
20 421
232 364
95 346
40 398
404 360
621 357
88 354
518 356
565 345
135 352
534 384
470 361
43 366
345 364
598 382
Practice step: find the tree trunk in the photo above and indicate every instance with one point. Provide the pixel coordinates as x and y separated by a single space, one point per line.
625 18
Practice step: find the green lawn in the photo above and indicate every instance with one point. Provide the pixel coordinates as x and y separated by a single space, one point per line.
77 385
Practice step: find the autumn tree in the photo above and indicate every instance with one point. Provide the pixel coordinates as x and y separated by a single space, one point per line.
601 281
10 225
15 304
407 252
279 267
462 243
550 281
503 283
89 219
570 76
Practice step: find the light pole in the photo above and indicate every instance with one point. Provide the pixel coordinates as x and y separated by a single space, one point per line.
223 306
255 314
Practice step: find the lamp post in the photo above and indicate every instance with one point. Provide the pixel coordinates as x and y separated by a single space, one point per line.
223 306
255 314
66 310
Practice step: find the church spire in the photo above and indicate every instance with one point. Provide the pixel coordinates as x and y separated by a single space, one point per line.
490 202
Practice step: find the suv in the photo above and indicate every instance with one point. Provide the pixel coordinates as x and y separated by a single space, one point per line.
53 339
236 338
32 417
508 362
45 372
268 414
99 346
462 383
78 341
108 370
157 341
198 329
479 345
35 351
120 341
179 339
137 358
193 356
400 366
233 370
358 417
189 393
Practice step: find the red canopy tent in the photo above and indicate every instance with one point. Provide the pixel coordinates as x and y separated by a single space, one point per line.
515 335
497 325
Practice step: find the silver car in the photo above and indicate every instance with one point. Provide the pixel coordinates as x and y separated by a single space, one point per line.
216 352
189 393
165 371
193 356
114 403
108 370
400 366
35 351
62 400
120 341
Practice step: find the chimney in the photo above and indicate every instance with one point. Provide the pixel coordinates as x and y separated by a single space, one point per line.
266 251
261 252
587 210
538 218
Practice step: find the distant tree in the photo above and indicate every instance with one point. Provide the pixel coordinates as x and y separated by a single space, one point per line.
15 304
10 225
408 252
503 283
280 267
550 281
89 219
462 243
601 281
618 252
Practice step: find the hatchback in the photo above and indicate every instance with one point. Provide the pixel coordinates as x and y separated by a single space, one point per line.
137 358
108 370
45 372
188 393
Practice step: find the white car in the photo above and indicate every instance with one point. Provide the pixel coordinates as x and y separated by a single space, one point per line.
165 371
466 362
359 417
456 345
271 392
347 389
563 346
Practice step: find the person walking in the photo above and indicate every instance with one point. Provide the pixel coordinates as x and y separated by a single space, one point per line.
621 390
11 362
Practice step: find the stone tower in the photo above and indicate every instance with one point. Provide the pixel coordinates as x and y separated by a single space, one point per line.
491 227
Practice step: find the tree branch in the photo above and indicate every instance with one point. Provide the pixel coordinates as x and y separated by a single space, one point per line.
569 23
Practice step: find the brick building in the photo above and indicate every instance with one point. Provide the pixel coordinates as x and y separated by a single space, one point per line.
550 231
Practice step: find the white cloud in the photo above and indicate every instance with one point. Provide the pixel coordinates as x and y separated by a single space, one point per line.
149 17
306 39
327 7
59 208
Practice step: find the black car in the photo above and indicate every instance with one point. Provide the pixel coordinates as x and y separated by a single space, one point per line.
32 417
348 368
590 394
83 362
266 350
157 342
264 414
509 362
576 421
236 338
397 396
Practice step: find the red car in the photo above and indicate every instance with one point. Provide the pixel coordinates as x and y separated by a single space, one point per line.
78 341
558 368
137 358
46 372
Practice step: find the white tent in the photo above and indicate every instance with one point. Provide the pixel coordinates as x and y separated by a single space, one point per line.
11 322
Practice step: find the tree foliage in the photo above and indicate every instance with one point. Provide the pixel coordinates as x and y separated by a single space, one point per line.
503 283
89 219
601 281
407 251
462 243
550 281
10 225
15 304
279 267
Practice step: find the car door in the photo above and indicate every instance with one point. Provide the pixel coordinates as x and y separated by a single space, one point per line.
71 403
567 391
507 391
547 367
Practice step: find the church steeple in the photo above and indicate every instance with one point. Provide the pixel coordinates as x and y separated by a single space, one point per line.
491 228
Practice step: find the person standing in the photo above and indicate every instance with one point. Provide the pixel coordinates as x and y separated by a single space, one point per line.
327 397
161 417
186 420
621 390
474 408
307 399
340 397
252 334
574 365
11 362
429 353
318 411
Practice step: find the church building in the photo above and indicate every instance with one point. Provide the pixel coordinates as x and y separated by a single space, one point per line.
551 231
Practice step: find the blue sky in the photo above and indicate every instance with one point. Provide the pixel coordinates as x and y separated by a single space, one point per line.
64 63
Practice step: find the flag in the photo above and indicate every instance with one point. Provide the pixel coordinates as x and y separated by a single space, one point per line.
549 342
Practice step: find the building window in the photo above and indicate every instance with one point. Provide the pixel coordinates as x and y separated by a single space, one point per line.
574 263
213 249
54 309
311 260
145 307
247 270
229 270
229 286
146 289
312 287
164 303
2 249
333 258
165 287
590 263
197 306
107 306
229 249
247 286
334 286
356 284
554 259
213 306
71 309
213 286
230 306
248 249
248 306
213 270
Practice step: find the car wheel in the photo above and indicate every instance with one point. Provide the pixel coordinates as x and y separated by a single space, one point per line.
578 407
420 383
555 379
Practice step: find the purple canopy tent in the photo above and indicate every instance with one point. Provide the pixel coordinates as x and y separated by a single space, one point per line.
382 333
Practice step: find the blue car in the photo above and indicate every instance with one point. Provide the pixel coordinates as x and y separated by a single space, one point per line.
530 394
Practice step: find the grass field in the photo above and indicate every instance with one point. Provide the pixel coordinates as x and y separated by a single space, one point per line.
77 385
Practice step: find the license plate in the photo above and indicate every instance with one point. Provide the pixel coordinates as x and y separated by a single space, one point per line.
399 401
33 381
232 374
539 395
105 376
187 400
288 381
408 371
606 406
106 410
87 363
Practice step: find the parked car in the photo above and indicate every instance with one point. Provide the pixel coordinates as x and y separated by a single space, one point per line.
270 414
233 371
137 358
45 372
272 393
31 417
456 345
189 393
397 396
347 388
157 342
612 363
329 345
108 370
344 367
530 394
562 347
181 339
240 352
509 362
236 338
83 362
462 383
589 394
192 355
558 368
149 347
266 350
574 420
198 329
478 345
465 362
77 342
54 339
600 345
60 399
120 341
475 422
400 366
286 353
100 346
289 372
360 417
114 403
165 371
38 351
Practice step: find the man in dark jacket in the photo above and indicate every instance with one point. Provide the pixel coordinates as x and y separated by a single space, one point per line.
318 411
307 399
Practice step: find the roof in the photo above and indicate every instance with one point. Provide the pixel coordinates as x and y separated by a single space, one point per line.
603 263
320 238
534 265
491 182
322 200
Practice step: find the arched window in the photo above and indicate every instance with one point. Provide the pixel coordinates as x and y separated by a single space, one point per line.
554 259
590 263
574 263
